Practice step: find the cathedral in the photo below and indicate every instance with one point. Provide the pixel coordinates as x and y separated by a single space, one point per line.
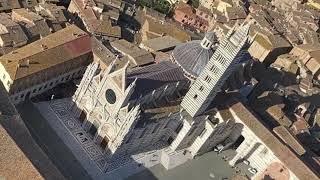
165 107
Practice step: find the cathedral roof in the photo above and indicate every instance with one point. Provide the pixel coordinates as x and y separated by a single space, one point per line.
154 76
192 56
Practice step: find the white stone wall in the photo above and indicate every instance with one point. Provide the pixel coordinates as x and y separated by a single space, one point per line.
5 78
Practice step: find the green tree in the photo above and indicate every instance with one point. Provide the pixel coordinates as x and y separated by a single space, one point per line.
162 6
194 3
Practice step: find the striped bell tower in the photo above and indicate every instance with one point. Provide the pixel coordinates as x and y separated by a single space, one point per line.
216 72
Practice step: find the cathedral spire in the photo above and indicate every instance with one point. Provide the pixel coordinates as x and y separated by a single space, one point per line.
216 72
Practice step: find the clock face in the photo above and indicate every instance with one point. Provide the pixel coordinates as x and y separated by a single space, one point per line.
111 96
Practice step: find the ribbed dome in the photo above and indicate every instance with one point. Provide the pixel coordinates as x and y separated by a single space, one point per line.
192 57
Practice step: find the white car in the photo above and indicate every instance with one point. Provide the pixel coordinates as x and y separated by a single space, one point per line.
218 148
252 170
246 162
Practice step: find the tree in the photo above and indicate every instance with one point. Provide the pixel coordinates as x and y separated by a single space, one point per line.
194 3
162 6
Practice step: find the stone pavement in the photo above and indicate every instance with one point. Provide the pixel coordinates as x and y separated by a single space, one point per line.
209 166
64 133
95 160
51 143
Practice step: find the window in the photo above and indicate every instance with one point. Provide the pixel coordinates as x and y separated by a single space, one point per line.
203 132
207 79
214 69
179 128
111 96
201 88
165 126
264 151
155 128
143 133
192 131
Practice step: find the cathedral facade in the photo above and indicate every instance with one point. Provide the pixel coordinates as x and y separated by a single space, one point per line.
163 106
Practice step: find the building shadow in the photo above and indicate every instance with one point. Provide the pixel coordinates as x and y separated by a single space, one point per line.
16 128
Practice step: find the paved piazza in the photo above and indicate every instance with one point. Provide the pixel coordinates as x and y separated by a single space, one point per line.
94 151
92 157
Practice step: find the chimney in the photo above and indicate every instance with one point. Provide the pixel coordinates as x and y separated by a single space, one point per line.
24 63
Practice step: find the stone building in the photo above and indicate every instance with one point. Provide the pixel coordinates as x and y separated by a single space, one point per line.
132 109
41 65
56 16
33 24
188 17
152 28
88 15
11 34
7 5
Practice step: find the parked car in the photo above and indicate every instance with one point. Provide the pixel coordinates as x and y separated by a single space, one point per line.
246 162
218 148
252 170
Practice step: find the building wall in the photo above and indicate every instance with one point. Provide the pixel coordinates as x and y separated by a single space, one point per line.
5 78
255 151
191 20
257 51
45 75
20 96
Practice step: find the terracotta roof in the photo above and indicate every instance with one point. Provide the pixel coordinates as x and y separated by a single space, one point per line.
26 15
289 139
137 55
159 30
160 43
106 29
47 52
9 4
34 23
11 31
280 150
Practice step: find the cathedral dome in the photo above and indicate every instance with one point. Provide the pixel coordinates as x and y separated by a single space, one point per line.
193 56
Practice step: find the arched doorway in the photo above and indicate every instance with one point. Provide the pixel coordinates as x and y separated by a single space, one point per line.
94 128
83 116
104 142
238 142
